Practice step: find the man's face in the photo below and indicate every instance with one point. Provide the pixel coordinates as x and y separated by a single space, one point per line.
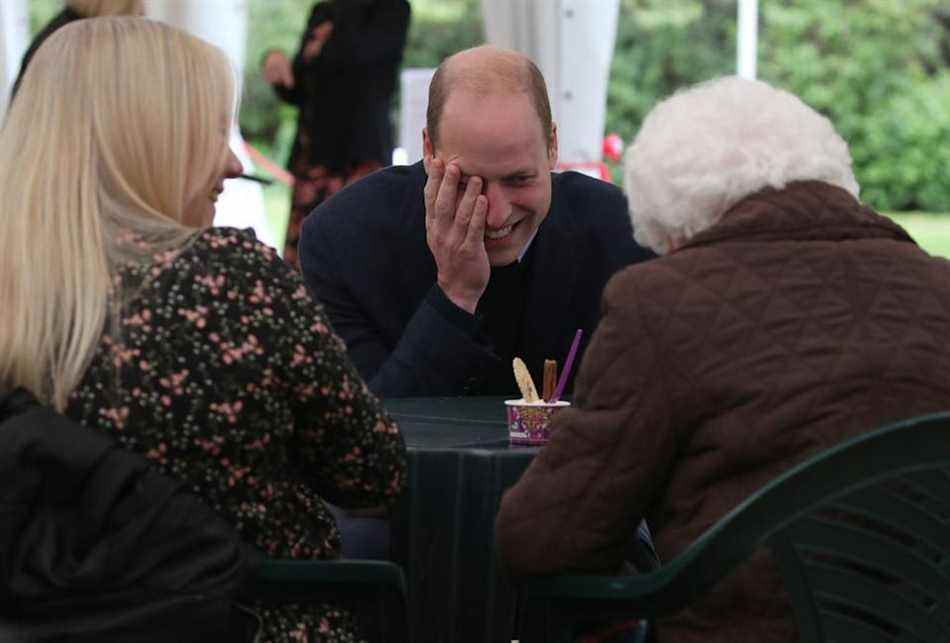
499 138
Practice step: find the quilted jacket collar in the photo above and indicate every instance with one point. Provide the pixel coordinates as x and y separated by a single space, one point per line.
802 211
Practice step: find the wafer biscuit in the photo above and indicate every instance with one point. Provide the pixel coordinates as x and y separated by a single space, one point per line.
525 383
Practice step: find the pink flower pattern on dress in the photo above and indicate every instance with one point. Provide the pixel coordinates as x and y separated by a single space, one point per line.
225 373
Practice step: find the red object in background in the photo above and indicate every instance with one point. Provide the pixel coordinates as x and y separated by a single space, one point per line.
269 166
613 147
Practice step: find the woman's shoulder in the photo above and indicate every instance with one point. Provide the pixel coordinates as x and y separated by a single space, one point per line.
233 241
229 262
231 250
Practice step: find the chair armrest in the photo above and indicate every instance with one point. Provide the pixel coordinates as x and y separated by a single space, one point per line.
658 592
599 596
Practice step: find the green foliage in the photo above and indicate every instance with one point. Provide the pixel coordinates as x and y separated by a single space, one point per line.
42 11
440 28
877 68
663 45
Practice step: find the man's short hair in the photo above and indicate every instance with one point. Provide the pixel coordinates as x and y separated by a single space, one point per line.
513 74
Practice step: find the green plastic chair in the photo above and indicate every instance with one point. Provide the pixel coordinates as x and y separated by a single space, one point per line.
374 590
860 533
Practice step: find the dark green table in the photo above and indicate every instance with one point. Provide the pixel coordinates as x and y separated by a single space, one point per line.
443 532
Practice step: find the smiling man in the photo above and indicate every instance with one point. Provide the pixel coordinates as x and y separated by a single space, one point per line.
437 274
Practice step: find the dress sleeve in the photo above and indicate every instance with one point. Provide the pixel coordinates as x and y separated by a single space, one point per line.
348 448
291 95
578 505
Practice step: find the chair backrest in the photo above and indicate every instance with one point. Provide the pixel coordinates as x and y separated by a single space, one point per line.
866 555
860 532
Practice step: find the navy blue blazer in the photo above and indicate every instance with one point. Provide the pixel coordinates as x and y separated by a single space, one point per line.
364 256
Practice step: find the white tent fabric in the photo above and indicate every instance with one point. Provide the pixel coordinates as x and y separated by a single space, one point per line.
223 23
414 99
572 42
14 38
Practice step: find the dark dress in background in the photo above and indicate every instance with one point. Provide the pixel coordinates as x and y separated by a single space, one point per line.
61 19
343 95
225 374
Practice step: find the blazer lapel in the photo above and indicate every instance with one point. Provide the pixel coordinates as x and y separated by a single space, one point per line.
550 318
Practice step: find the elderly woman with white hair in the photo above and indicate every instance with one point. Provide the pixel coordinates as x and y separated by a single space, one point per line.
783 317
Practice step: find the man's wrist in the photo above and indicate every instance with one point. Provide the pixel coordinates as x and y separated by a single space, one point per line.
466 301
457 317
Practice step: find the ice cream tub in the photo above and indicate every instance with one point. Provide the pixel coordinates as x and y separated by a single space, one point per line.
529 423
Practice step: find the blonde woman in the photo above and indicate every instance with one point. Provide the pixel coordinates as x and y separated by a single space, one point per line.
76 10
195 346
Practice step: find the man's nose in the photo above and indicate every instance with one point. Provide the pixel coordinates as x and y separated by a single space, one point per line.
499 206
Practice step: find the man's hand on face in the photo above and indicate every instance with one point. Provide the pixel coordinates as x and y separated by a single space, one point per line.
455 232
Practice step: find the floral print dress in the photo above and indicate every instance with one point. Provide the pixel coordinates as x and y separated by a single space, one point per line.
225 373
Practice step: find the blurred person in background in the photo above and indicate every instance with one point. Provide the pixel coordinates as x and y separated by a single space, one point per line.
194 346
76 10
342 82
783 316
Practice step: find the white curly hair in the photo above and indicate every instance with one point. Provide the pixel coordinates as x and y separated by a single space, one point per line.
704 149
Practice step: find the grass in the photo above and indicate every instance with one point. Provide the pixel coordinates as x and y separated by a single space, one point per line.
931 230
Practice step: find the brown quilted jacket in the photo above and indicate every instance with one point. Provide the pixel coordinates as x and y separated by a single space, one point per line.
800 319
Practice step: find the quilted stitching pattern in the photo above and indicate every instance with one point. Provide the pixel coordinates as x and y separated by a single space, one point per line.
800 319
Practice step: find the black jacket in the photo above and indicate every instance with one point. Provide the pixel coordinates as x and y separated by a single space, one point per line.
96 545
364 256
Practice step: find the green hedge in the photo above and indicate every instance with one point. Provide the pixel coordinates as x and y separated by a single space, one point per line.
877 68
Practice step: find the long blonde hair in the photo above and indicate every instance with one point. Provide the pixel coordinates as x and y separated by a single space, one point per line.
118 123
98 8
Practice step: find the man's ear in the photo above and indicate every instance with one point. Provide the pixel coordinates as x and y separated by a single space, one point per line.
427 149
552 147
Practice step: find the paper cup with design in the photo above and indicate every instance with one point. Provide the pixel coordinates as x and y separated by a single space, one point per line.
529 423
